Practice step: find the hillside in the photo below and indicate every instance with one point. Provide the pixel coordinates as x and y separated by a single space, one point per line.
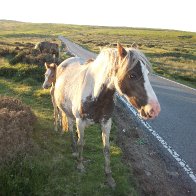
172 53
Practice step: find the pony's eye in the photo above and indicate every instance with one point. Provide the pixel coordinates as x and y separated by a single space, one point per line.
132 76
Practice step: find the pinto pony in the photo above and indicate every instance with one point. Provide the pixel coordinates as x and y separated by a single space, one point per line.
85 92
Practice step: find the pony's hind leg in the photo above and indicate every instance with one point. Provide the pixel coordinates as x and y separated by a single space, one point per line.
80 130
106 127
64 122
70 128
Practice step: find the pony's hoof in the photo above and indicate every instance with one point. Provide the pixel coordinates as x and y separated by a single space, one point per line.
111 182
75 154
56 129
80 167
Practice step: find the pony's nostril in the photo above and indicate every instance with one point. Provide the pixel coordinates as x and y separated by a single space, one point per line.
45 86
143 113
151 112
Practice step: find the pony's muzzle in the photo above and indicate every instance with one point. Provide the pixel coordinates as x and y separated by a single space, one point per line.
46 86
151 110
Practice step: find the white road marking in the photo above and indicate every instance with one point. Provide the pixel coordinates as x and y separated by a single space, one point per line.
174 154
174 82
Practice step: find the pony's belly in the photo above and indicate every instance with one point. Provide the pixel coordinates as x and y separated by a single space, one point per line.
63 104
89 122
96 113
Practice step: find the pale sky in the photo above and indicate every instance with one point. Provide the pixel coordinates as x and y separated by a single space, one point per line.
164 14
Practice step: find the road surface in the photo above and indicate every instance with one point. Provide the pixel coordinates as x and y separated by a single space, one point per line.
176 123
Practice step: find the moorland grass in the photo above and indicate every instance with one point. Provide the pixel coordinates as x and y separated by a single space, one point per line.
163 47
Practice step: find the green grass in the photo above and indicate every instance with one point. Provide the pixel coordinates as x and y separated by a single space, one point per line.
50 168
22 72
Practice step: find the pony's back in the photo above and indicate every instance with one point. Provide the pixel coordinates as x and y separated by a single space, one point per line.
73 61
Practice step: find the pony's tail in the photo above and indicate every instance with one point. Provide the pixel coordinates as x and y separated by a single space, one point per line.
64 122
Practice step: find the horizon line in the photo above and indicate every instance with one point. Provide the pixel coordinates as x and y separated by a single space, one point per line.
112 26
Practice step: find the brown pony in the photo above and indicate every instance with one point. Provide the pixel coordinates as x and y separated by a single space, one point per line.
48 47
50 80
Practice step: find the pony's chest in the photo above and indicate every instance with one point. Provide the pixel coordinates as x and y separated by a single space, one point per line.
98 109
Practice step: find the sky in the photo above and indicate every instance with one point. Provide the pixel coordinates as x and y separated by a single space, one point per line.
163 14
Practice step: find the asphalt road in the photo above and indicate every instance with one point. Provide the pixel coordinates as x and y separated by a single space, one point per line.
176 123
177 120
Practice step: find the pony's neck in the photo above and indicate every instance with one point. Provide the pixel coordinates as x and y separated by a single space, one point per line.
55 76
53 84
101 70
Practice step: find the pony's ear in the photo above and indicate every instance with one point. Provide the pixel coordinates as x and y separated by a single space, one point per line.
134 45
121 51
53 66
47 65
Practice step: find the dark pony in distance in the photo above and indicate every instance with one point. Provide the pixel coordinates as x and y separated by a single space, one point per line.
48 47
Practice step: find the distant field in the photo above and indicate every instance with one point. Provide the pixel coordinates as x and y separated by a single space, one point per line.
172 53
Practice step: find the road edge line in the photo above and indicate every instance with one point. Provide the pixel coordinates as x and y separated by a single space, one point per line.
173 153
175 82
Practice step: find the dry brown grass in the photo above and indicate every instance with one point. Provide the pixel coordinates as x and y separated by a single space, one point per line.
16 126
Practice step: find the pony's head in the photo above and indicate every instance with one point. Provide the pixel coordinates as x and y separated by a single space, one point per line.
50 75
131 80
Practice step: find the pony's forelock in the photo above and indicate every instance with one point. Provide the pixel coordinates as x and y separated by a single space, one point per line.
132 53
139 56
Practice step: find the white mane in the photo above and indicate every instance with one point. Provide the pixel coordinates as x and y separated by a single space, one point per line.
110 57
139 56
107 56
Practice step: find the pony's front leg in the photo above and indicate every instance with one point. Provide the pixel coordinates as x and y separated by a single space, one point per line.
55 118
106 127
56 111
80 130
